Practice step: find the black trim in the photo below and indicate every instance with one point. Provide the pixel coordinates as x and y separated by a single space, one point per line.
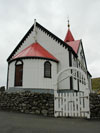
70 64
70 59
20 43
56 38
78 82
30 57
78 85
71 83
19 60
45 67
84 54
89 74
7 76
48 33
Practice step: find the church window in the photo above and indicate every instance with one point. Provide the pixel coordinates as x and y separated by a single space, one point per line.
47 69
18 73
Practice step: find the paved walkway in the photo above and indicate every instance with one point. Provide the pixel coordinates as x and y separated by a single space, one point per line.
26 123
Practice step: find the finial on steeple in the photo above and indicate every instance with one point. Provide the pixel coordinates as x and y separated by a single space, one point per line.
68 24
69 37
35 31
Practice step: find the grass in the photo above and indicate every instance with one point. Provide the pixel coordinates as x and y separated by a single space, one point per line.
96 83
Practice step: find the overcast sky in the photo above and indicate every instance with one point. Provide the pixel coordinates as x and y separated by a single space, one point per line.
17 16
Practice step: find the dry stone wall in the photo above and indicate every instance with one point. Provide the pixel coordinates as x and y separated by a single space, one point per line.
95 106
2 88
27 102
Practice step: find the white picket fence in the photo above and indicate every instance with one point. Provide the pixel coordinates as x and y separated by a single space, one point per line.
71 104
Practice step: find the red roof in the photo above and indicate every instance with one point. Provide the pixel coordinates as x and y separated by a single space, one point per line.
74 45
69 37
35 50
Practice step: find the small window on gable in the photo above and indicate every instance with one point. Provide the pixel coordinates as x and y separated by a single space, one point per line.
18 73
47 69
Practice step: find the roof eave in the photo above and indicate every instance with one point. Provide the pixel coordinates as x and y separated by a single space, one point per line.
89 73
33 57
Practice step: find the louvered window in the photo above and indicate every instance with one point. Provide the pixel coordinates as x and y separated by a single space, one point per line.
18 73
47 69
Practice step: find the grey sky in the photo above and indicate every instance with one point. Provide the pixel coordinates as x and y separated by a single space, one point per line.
17 16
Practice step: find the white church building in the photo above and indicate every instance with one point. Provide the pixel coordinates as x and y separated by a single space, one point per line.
42 62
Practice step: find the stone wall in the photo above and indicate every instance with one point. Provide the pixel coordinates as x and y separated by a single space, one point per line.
27 102
39 103
2 88
95 106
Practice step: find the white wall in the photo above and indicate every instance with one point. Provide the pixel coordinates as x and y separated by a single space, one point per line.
79 56
11 78
29 40
58 51
33 74
54 48
88 76
89 83
50 45
74 64
82 87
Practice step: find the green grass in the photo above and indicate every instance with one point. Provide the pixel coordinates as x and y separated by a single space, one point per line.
96 83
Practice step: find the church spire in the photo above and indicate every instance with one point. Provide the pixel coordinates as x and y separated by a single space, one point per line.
69 37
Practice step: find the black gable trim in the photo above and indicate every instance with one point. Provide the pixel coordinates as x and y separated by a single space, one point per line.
56 38
84 54
89 73
48 33
20 43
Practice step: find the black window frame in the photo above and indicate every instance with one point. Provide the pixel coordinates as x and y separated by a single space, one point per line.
46 69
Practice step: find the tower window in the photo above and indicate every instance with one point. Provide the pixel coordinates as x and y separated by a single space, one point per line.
18 73
47 69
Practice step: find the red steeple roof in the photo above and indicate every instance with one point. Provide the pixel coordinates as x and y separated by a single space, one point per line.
35 50
69 37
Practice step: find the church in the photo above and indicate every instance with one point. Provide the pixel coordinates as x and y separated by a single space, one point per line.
42 62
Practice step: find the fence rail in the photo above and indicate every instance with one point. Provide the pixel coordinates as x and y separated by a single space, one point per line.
71 104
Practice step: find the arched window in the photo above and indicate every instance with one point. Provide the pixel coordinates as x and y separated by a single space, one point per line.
18 73
47 69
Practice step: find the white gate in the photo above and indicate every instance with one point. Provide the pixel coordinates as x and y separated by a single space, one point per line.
71 104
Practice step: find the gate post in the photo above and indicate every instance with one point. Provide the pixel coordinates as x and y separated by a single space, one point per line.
55 103
55 98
